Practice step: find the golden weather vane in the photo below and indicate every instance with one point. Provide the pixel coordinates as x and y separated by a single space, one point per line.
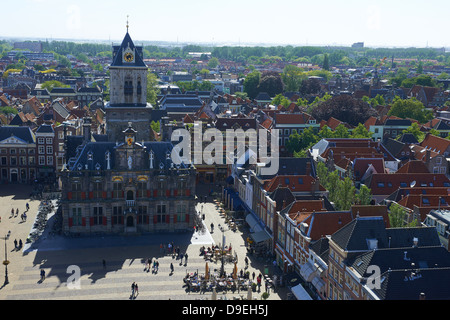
127 22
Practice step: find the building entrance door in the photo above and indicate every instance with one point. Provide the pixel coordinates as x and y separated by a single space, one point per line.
130 222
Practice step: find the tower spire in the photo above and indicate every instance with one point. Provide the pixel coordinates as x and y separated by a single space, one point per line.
127 22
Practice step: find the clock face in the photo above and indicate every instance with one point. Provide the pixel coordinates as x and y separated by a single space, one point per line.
130 141
129 57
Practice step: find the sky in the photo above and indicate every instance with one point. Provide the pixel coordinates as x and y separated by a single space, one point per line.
377 23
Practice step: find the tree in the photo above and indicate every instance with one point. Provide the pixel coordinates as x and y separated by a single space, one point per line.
294 142
341 132
310 86
397 215
364 197
326 132
281 100
271 83
410 108
49 85
332 186
322 173
345 195
414 129
345 108
292 77
361 132
251 84
419 69
155 126
326 63
152 88
213 63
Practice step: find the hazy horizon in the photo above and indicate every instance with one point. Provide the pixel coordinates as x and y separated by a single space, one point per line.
380 23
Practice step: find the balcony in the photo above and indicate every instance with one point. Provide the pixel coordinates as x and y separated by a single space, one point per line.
131 203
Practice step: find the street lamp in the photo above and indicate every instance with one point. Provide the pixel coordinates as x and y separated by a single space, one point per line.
222 267
6 262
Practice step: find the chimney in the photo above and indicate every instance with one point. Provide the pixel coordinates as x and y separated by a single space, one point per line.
427 156
87 129
416 242
308 168
422 296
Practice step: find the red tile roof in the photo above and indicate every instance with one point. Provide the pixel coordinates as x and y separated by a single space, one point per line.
294 183
437 144
386 184
414 166
289 118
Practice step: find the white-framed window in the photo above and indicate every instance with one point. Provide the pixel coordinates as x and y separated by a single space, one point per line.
41 140
41 160
49 149
49 140
50 160
41 150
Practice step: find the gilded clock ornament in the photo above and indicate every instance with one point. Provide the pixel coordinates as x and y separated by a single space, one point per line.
129 57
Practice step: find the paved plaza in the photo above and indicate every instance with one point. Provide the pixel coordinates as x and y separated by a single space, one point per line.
125 258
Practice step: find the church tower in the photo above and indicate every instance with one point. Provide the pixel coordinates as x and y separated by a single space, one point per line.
128 92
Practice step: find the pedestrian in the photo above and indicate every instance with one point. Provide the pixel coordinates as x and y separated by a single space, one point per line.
136 289
28 206
171 268
157 266
17 212
12 212
212 227
246 262
104 264
24 217
258 280
20 243
133 287
253 275
185 258
42 275
15 243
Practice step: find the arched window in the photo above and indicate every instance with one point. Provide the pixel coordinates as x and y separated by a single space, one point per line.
128 87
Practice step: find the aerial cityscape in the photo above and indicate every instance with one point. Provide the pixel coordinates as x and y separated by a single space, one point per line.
211 168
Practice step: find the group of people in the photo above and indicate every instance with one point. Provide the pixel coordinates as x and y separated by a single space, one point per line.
23 216
134 290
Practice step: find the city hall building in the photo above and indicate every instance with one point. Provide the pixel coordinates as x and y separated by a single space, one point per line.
126 184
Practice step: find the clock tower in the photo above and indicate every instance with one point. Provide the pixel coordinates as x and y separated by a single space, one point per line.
128 92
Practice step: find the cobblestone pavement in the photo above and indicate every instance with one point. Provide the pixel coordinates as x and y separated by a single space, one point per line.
124 256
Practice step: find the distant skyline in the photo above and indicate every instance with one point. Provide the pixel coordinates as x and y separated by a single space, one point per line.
380 23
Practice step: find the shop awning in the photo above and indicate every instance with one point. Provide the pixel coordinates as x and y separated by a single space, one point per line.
300 293
319 284
308 271
254 226
260 236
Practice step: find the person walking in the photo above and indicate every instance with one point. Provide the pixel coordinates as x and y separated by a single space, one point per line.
136 290
246 262
171 268
15 243
20 243
133 287
104 264
253 276
185 259
42 275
